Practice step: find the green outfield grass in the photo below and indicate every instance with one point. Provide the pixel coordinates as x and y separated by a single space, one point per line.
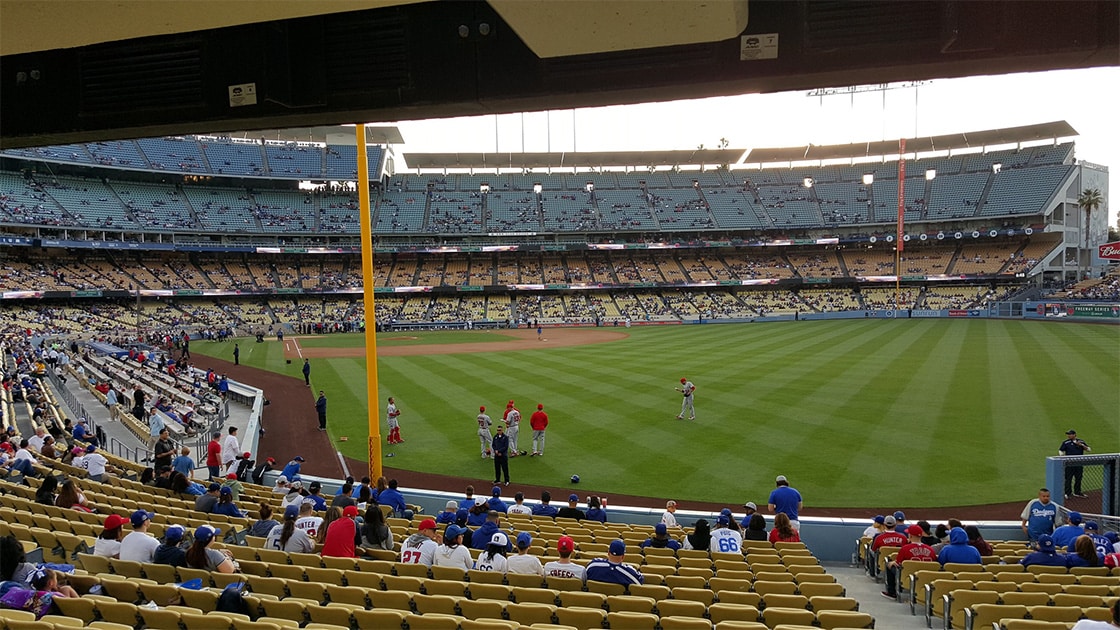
855 413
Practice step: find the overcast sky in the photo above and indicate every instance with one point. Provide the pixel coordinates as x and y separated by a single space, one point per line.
1087 99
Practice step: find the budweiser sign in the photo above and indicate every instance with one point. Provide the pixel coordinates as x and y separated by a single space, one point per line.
1109 250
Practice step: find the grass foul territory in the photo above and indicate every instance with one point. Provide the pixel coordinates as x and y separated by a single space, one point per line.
915 412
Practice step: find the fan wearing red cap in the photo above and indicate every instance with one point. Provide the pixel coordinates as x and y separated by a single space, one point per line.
484 436
686 389
564 567
258 472
341 534
420 548
915 549
539 422
109 541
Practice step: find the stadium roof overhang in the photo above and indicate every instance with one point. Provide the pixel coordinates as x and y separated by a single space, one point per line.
607 159
949 142
87 70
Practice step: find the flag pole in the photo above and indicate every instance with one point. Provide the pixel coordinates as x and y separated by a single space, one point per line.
367 300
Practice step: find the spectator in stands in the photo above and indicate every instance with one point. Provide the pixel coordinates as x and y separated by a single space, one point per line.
35 442
750 508
108 542
139 545
786 499
46 580
287 537
525 563
169 551
518 506
783 530
307 520
544 509
206 502
81 431
225 505
1046 554
183 463
14 566
756 528
214 455
332 515
613 568
927 537
24 454
71 497
230 450
596 510
889 537
47 491
342 535
261 469
163 478
976 540
180 484
148 476
291 471
295 494
701 537
915 549
343 498
493 557
97 465
660 539
958 550
394 499
202 556
572 509
1085 553
375 533
281 487
447 516
265 523
49 450
1066 534
1039 516
10 463
564 567
234 486
420 548
453 553
495 503
669 518
155 429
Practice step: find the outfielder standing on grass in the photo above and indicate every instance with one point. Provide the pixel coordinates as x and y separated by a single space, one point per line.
687 388
539 422
484 437
513 423
391 414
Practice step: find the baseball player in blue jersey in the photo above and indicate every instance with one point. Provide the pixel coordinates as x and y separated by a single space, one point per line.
687 389
484 437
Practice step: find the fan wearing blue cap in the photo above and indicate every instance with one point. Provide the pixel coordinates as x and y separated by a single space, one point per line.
202 556
1046 555
900 525
572 509
613 568
495 503
288 537
1093 531
453 553
724 539
1066 534
660 539
139 545
524 562
169 552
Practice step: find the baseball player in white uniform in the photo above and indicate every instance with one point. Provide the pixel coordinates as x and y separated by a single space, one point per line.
391 413
513 427
484 437
687 388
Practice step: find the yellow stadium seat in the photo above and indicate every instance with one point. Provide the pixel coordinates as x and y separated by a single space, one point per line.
379 618
680 608
684 623
722 611
831 619
581 617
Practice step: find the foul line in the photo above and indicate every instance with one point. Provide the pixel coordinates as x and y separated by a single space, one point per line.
296 344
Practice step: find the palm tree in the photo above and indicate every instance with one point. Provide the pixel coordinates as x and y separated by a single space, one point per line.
1089 200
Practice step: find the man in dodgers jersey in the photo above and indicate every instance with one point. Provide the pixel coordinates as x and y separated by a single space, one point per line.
1039 516
723 538
391 414
513 427
484 437
420 548
687 389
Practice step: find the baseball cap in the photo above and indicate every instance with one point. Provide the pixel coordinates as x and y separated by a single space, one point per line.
281 479
291 511
879 519
1071 432
617 548
1075 517
139 516
684 380
454 531
174 534
889 521
204 533
725 511
1046 543
573 498
246 455
723 520
425 524
480 500
495 491
750 506
461 515
1112 537
8 447
660 529
499 539
297 485
91 448
452 505
270 460
297 458
915 530
231 476
1091 526
113 521
352 510
481 408
899 516
780 478
213 487
226 490
524 539
539 406
77 450
566 544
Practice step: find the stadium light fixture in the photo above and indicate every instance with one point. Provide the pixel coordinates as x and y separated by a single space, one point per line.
997 167
868 179
808 182
930 174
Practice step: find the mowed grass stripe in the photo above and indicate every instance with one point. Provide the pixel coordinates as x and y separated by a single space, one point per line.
1092 383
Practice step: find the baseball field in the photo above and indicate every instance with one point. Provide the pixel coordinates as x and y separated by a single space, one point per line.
855 413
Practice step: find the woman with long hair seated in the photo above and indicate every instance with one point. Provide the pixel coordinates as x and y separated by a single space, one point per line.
783 530
201 556
70 497
375 532
286 537
109 541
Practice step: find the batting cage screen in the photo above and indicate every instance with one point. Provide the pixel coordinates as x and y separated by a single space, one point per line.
1089 484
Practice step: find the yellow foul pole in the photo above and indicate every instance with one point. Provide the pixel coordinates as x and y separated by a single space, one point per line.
367 301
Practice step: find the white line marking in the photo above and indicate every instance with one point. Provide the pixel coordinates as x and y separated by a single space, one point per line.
298 351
